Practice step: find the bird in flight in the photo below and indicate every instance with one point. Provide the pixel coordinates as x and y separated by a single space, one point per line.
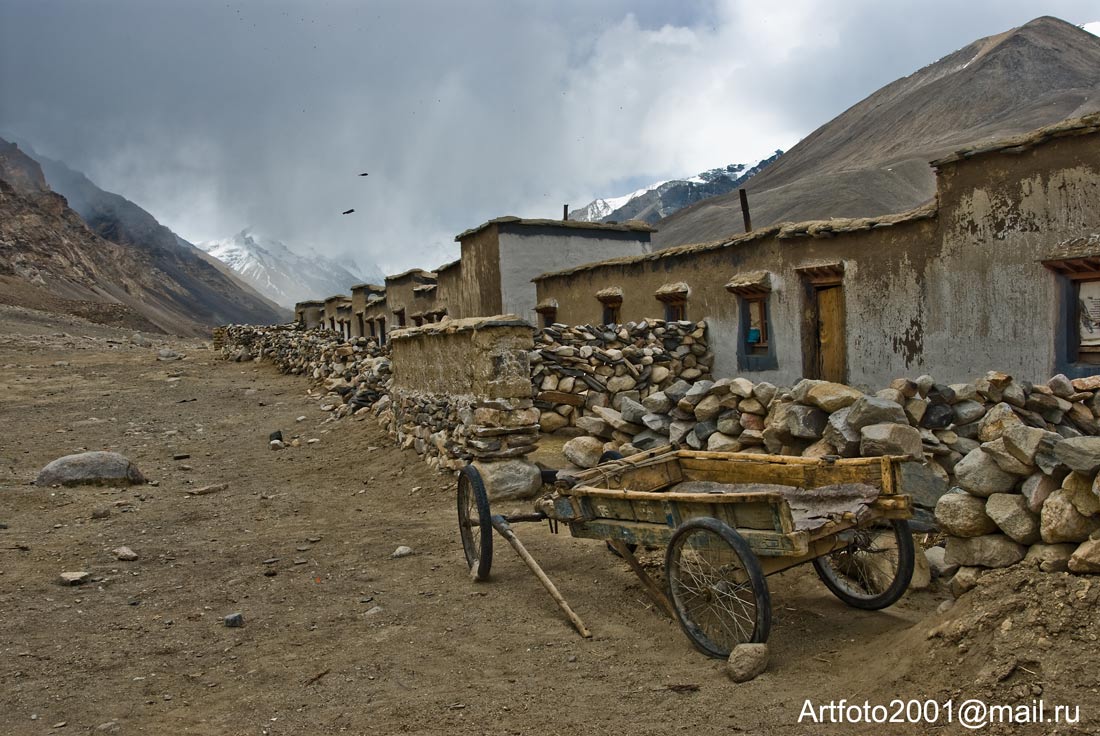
347 212
364 174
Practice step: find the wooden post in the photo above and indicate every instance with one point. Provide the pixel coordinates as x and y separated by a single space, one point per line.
506 531
565 212
745 209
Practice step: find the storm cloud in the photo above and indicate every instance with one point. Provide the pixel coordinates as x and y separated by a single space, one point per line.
215 116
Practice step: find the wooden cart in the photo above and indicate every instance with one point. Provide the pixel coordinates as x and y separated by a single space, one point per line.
727 520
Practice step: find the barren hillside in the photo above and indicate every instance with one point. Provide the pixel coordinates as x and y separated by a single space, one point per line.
873 158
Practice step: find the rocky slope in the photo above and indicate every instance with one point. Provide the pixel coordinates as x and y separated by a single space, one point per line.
873 158
664 198
282 275
112 262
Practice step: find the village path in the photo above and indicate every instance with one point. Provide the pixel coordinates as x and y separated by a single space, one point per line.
338 636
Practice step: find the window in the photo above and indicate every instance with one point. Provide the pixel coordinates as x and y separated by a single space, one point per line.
381 330
373 329
756 334
674 296
418 321
400 315
612 300
675 311
755 346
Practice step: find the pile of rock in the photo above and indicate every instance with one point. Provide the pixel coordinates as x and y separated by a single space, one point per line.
575 370
451 431
1025 494
920 418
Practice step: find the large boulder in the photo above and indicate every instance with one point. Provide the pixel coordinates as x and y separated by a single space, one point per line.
923 484
805 422
962 515
631 410
840 435
509 480
1024 442
1086 558
1011 514
1005 460
657 403
1060 521
1080 453
830 397
890 439
584 452
869 410
979 474
1050 557
90 468
1037 488
996 421
989 550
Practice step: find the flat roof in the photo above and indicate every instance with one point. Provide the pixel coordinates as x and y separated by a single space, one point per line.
448 266
410 272
783 231
368 287
636 226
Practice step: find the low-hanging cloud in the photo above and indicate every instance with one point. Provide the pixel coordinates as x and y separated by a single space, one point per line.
216 116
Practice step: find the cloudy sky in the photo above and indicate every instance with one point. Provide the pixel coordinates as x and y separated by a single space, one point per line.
217 116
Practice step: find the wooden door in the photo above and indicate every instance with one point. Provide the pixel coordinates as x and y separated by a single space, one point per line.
832 356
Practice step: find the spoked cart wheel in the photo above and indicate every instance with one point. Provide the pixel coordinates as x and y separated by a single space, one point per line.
474 524
875 567
716 587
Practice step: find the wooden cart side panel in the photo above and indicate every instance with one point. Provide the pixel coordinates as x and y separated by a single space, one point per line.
646 478
799 475
763 543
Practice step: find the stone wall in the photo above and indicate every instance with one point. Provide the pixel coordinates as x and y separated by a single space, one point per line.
946 429
577 371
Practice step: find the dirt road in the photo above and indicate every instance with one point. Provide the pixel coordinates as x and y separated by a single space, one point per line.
338 637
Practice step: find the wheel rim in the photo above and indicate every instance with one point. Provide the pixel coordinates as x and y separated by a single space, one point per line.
868 565
470 524
710 585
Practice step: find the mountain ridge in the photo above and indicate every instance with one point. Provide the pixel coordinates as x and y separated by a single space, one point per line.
873 158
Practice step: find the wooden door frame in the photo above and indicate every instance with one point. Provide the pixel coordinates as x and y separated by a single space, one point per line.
814 279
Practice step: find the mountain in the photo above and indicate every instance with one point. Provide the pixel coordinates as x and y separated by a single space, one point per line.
279 273
873 158
664 198
106 258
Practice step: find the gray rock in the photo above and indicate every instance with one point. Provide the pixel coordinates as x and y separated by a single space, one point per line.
962 515
631 410
1061 386
678 432
657 403
234 620
869 410
703 430
657 422
965 579
806 422
509 480
676 391
937 563
764 392
968 411
648 440
922 483
989 550
890 439
125 554
1005 460
551 421
1080 453
697 392
1050 557
840 435
75 578
719 442
708 408
1060 521
1086 558
938 416
729 422
979 474
96 468
802 388
584 452
400 552
1036 489
742 387
996 421
1010 512
747 662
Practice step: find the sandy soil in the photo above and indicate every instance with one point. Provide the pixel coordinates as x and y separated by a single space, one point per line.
338 637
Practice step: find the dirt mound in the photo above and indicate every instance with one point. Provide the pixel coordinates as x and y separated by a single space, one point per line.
1019 636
